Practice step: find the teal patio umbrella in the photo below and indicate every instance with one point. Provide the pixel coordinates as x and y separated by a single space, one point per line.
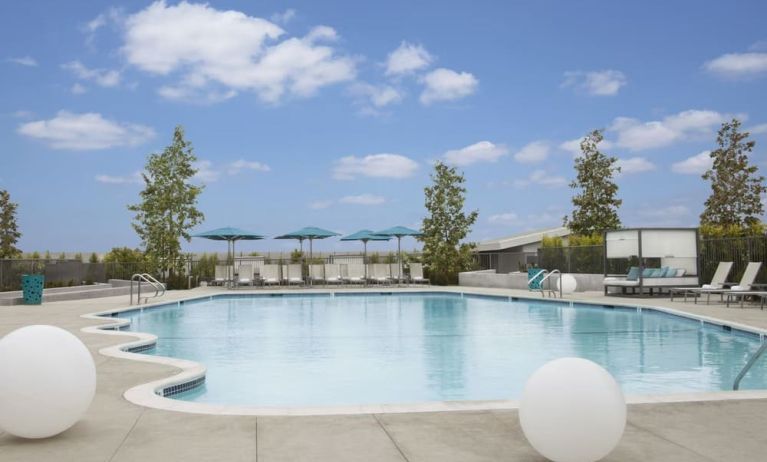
399 232
365 235
230 235
309 233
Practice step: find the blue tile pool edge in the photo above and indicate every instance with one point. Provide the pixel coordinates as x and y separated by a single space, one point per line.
169 387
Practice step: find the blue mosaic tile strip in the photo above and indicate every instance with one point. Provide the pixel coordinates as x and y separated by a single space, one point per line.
141 348
181 387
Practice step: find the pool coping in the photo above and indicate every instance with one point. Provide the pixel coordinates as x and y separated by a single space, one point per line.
153 394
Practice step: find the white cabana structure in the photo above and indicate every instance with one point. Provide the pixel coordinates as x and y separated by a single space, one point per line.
661 258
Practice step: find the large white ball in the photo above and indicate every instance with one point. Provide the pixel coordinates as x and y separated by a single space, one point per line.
572 410
47 381
567 283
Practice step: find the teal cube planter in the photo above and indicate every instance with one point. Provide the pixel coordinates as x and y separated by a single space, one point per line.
32 285
534 283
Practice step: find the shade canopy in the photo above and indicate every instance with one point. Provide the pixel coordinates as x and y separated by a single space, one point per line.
399 231
229 234
364 236
310 232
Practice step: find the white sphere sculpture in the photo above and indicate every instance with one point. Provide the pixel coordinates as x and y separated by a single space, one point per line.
48 381
572 410
567 283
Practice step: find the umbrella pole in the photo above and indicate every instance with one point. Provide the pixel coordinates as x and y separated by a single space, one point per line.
365 257
233 284
399 259
310 259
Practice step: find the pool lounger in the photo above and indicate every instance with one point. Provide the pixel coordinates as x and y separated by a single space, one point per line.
743 294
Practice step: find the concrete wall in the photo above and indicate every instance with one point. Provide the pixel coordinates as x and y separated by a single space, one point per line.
488 278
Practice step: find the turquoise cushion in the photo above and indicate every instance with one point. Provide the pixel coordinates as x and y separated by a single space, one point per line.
662 272
633 274
648 272
670 272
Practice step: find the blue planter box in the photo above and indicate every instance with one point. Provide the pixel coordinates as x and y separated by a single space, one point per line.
534 284
32 285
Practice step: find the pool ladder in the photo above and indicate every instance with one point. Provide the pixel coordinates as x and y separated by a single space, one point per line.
748 365
140 278
546 279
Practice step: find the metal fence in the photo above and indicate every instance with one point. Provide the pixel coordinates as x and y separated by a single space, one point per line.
591 259
195 269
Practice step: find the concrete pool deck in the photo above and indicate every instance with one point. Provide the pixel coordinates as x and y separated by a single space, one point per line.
117 430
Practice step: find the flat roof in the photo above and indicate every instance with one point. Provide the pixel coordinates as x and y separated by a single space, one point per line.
525 238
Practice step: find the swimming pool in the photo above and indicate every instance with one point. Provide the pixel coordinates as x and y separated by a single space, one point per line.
356 349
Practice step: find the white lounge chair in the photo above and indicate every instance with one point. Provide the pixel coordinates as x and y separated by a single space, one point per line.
222 275
355 273
292 274
317 273
395 273
270 274
245 275
416 274
333 273
381 273
717 281
749 276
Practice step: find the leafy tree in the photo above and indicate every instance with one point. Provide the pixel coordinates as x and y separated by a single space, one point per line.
168 208
35 255
736 186
9 230
446 226
596 205
47 255
62 256
94 258
78 256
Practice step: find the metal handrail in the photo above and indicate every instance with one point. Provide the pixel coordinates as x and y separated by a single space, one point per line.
547 278
159 288
748 365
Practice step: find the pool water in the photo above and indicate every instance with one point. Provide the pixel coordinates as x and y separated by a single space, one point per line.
317 350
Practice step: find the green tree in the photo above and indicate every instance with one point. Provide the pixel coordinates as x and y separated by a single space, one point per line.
736 186
47 255
94 258
9 230
446 226
595 206
62 256
168 208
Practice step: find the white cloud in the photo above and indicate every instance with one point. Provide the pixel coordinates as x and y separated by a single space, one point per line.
446 85
78 89
378 96
757 129
87 131
738 65
363 199
239 165
483 151
374 165
102 77
283 17
507 218
24 61
206 173
695 165
542 178
596 83
134 178
574 146
319 205
635 165
233 50
23 114
532 153
635 135
407 58
112 15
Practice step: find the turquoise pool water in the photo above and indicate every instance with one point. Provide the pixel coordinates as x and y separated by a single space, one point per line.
303 350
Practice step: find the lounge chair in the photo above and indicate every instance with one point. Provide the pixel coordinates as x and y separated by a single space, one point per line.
222 275
381 273
292 274
270 274
749 276
355 273
333 273
245 275
395 273
651 278
416 274
717 281
317 273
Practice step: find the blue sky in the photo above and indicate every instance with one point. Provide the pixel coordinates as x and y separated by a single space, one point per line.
331 113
